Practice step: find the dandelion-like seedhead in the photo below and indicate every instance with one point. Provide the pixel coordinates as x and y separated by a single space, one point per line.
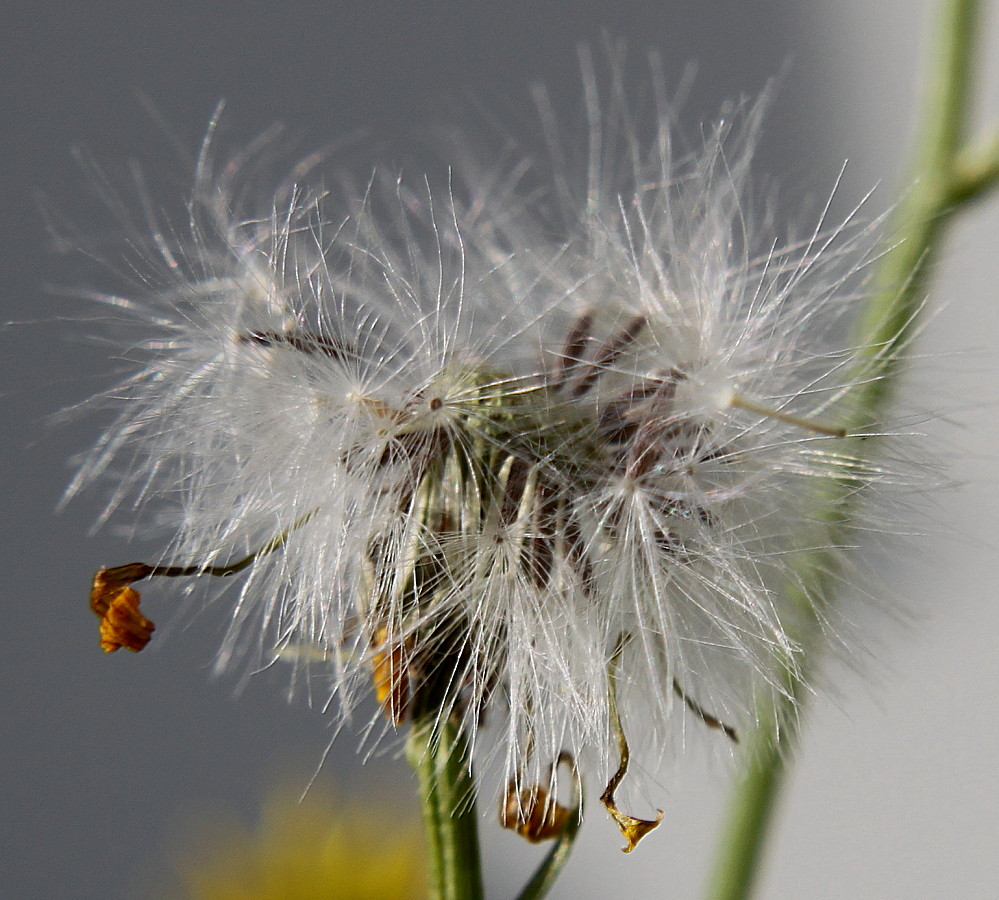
535 460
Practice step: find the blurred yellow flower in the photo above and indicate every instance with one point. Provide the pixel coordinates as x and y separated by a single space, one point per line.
309 849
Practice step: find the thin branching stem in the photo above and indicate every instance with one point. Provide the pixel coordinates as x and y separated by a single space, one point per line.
948 176
976 171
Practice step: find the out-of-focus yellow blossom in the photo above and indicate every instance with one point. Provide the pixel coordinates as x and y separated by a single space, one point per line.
314 849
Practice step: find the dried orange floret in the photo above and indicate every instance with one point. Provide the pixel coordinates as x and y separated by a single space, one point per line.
533 814
116 604
391 683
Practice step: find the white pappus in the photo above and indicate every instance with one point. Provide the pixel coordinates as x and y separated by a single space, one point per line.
536 459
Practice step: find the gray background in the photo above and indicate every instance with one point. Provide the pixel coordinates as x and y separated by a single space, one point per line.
105 759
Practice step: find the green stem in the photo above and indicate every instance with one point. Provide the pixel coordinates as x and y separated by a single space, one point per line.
551 867
753 803
438 753
889 319
976 171
946 178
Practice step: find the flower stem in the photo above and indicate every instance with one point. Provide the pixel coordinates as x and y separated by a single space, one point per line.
948 176
438 753
551 867
753 803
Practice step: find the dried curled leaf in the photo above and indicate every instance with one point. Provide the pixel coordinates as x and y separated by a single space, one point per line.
632 828
116 604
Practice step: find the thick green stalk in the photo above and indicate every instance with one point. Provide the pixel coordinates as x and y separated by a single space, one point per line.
438 754
946 178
